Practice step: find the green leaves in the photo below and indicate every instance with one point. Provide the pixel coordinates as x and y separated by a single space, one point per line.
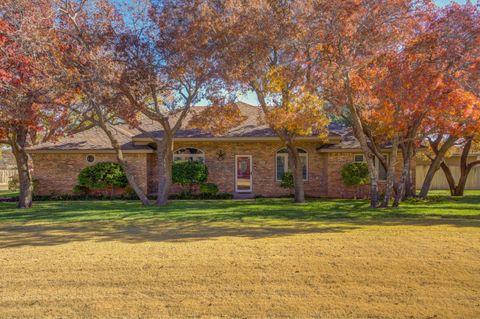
189 173
287 180
102 175
355 173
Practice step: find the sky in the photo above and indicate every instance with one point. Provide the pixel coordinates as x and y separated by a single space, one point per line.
250 97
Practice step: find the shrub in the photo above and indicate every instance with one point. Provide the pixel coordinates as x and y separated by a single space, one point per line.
14 184
80 190
101 176
355 174
208 189
189 173
287 180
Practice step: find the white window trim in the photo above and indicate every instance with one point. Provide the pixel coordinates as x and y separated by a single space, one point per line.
377 162
194 156
285 156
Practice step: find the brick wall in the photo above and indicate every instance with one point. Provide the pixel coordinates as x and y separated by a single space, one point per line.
222 172
57 173
336 187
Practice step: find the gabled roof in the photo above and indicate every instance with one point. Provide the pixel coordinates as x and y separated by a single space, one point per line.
136 140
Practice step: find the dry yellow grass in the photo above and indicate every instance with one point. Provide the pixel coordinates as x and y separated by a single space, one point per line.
238 269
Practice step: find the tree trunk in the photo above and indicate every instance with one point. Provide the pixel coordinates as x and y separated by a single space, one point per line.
129 172
399 196
405 183
297 172
435 164
164 161
19 143
462 182
409 185
362 139
391 171
449 176
465 169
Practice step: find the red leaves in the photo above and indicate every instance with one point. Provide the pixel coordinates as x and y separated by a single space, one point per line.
28 88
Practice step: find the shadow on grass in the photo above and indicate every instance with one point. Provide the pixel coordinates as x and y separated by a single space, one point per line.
53 223
49 235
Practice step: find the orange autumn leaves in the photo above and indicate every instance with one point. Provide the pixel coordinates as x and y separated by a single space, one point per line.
217 119
296 110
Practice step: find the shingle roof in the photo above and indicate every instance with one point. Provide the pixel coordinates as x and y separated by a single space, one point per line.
96 140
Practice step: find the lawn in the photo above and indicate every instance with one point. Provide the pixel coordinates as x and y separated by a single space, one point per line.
263 258
7 194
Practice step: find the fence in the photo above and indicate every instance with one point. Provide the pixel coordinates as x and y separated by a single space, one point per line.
5 177
440 182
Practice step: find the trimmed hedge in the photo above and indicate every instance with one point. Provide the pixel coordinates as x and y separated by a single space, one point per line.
100 176
208 189
189 173
80 197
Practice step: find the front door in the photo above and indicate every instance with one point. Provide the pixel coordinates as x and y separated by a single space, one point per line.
243 173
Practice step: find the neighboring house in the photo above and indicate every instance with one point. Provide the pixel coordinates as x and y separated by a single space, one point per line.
249 159
8 167
440 181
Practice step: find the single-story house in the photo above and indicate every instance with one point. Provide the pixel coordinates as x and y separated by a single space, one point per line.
249 159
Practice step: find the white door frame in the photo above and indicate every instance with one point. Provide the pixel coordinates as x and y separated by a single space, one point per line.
236 174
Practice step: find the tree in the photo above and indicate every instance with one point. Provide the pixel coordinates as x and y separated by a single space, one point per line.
89 31
31 95
171 59
269 53
451 43
354 35
457 188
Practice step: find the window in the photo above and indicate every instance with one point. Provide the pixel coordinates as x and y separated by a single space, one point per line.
189 154
90 158
282 163
358 158
382 172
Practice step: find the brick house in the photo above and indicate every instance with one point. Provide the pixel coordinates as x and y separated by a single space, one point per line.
249 159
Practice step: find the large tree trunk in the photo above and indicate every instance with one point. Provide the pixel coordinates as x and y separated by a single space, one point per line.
391 171
362 139
164 160
410 189
465 169
435 163
403 183
449 176
297 172
18 143
462 182
131 179
129 172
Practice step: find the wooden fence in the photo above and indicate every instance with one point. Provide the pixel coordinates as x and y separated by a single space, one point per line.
5 177
440 182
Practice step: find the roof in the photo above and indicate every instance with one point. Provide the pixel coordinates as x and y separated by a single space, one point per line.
131 139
